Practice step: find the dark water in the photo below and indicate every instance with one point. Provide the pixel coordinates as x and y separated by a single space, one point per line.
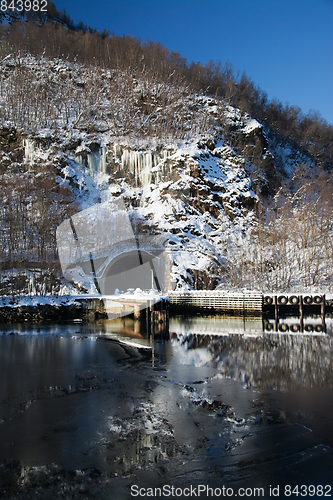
220 404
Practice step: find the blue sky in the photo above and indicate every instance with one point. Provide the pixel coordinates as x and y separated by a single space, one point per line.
284 46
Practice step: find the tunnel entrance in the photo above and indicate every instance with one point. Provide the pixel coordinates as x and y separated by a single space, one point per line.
131 270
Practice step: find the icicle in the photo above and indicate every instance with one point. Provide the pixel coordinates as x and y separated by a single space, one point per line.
133 157
30 150
140 162
102 167
117 151
149 161
156 159
141 165
125 158
79 159
92 163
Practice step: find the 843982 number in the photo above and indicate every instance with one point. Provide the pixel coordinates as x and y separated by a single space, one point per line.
23 5
311 491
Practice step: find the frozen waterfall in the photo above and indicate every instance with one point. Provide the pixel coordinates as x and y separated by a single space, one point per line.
145 167
141 167
95 160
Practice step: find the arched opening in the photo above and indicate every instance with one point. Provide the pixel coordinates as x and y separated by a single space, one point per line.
131 270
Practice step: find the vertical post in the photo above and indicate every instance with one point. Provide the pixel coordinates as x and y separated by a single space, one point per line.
276 313
152 278
323 312
300 305
148 318
136 327
152 311
137 312
322 309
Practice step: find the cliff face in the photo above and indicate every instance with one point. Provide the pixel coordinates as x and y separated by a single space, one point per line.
188 169
195 194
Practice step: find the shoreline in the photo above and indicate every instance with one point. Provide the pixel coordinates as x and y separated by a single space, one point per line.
39 308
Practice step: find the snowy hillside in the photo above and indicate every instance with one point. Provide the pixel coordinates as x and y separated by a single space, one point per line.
187 167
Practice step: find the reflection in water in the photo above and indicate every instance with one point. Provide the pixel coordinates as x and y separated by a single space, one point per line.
197 407
214 325
257 360
221 325
296 325
279 362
